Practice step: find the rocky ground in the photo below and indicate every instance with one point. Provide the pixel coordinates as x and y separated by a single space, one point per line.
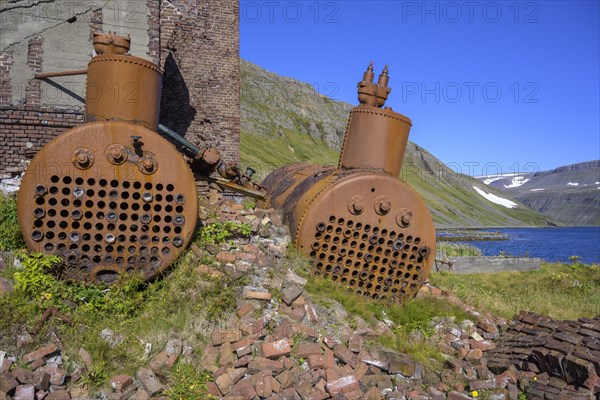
282 344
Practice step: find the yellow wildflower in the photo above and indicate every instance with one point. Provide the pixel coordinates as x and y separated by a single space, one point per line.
474 393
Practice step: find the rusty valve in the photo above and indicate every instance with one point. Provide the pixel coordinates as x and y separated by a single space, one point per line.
382 205
116 154
83 158
404 217
356 205
148 164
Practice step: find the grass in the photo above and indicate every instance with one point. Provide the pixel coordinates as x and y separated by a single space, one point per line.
559 291
183 304
413 321
268 154
10 234
445 249
188 383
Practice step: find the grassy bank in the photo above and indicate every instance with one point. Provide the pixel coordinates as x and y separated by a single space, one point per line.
412 322
560 291
445 249
124 326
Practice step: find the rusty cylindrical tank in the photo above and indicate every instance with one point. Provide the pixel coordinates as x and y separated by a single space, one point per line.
111 197
120 86
360 224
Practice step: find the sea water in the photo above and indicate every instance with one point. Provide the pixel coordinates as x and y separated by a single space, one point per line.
550 244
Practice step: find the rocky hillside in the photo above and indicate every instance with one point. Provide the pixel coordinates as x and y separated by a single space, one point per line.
241 319
273 105
568 194
285 120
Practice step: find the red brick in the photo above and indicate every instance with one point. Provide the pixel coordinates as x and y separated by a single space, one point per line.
276 349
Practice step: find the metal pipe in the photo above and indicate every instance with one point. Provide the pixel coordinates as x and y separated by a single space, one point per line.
62 73
176 137
208 160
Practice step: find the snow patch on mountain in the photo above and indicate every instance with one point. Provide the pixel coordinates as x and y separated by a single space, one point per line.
517 181
487 181
572 184
496 199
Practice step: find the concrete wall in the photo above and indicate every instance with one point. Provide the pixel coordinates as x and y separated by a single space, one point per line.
195 42
485 265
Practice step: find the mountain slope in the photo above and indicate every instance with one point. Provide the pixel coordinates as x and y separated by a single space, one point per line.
453 200
568 194
284 120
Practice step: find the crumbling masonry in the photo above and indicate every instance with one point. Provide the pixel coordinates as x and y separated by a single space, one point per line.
195 43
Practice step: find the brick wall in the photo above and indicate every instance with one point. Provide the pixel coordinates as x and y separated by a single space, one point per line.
26 130
196 44
200 56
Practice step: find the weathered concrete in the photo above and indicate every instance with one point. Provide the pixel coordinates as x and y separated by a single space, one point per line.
129 18
65 55
200 96
66 45
470 265
19 76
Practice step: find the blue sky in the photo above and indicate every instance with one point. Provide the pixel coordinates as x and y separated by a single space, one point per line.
489 85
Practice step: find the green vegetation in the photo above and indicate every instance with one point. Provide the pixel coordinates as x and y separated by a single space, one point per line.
452 199
10 235
187 383
413 321
445 249
469 235
183 304
37 281
286 122
268 154
557 290
220 232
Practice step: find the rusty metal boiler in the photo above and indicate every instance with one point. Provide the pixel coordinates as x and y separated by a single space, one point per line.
360 224
111 196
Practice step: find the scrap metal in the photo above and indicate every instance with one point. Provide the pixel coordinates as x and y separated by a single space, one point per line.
112 196
360 224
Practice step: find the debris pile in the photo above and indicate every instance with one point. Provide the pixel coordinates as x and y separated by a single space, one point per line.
282 343
562 356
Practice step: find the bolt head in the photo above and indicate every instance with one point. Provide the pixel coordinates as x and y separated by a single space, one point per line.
385 207
148 164
404 217
358 206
